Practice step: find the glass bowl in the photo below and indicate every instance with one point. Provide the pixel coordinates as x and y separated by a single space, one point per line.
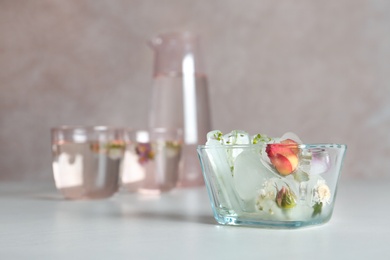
267 186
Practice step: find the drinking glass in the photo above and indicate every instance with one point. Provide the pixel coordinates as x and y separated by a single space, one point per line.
86 160
151 161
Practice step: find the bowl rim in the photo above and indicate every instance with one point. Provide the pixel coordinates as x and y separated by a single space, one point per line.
252 146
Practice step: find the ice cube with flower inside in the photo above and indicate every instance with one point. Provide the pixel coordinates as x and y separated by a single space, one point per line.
284 154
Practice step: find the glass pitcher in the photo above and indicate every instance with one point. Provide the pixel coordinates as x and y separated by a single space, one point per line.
180 97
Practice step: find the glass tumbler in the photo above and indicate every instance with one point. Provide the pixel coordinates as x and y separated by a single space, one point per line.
86 160
151 161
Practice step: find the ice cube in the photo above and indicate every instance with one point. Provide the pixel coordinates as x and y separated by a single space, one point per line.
319 191
320 161
260 138
292 136
236 137
266 201
215 135
213 142
249 174
218 160
315 161
308 190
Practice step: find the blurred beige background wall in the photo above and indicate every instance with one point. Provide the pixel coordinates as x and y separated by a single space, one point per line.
317 68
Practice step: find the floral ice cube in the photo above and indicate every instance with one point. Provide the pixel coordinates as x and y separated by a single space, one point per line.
213 136
273 189
260 138
236 137
249 174
315 161
291 136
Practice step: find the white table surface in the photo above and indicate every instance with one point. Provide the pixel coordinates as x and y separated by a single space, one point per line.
36 223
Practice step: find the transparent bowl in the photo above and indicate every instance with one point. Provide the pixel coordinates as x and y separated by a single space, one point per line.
248 187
